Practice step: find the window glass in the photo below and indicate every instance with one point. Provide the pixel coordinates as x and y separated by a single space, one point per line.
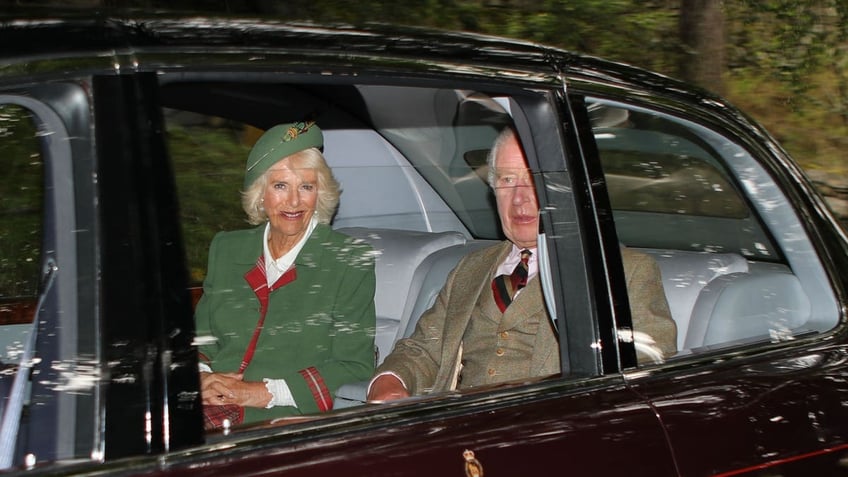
209 152
21 197
413 187
669 188
20 203
651 171
735 263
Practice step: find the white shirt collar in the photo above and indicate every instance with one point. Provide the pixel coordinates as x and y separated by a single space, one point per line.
508 265
274 269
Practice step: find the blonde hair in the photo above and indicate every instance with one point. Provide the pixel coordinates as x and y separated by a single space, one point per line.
328 188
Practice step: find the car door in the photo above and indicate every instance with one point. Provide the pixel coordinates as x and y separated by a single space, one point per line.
85 210
754 385
114 373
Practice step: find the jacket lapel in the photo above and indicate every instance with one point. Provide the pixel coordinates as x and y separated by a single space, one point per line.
532 306
314 248
469 282
256 277
525 304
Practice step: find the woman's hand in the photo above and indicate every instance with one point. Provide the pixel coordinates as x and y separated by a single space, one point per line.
230 388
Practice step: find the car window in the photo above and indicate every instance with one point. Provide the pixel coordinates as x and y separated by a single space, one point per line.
47 381
736 266
21 202
414 187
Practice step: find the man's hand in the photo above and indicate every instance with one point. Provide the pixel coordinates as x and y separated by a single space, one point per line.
387 388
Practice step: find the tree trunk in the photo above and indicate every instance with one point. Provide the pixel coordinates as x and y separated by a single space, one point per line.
702 39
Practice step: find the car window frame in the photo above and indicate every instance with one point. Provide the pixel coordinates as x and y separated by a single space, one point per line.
148 329
551 146
754 155
56 327
544 113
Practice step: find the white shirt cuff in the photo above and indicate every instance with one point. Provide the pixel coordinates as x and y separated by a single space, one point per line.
280 393
204 368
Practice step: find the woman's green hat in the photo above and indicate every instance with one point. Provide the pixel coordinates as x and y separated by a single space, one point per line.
280 141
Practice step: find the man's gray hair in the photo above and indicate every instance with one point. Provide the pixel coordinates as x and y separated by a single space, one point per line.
505 135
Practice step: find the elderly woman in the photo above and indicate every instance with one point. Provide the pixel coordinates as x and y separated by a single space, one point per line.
287 312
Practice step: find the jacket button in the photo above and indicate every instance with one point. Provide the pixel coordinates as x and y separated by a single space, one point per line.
499 352
505 335
491 372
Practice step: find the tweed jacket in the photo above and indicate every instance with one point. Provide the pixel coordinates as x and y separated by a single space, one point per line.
319 329
432 359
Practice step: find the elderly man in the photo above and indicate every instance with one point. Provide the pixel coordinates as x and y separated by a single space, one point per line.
489 324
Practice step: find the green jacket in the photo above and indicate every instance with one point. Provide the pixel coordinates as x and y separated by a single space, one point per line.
319 329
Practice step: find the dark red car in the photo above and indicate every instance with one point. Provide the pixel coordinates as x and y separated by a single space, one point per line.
122 144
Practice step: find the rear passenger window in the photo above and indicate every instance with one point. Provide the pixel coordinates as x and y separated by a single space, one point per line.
414 188
21 204
736 267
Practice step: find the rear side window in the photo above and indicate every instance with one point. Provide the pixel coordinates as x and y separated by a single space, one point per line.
735 266
670 188
414 187
21 205
21 200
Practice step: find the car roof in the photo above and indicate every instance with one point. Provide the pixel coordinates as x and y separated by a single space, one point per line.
70 31
32 33
37 41
32 40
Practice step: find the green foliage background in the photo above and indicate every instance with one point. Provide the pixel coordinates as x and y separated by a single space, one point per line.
787 60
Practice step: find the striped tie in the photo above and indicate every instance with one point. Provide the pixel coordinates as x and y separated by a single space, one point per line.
505 287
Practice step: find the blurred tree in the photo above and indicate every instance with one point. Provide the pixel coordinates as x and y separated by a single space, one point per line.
702 40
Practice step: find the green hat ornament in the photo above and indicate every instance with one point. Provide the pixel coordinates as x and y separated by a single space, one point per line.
278 142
